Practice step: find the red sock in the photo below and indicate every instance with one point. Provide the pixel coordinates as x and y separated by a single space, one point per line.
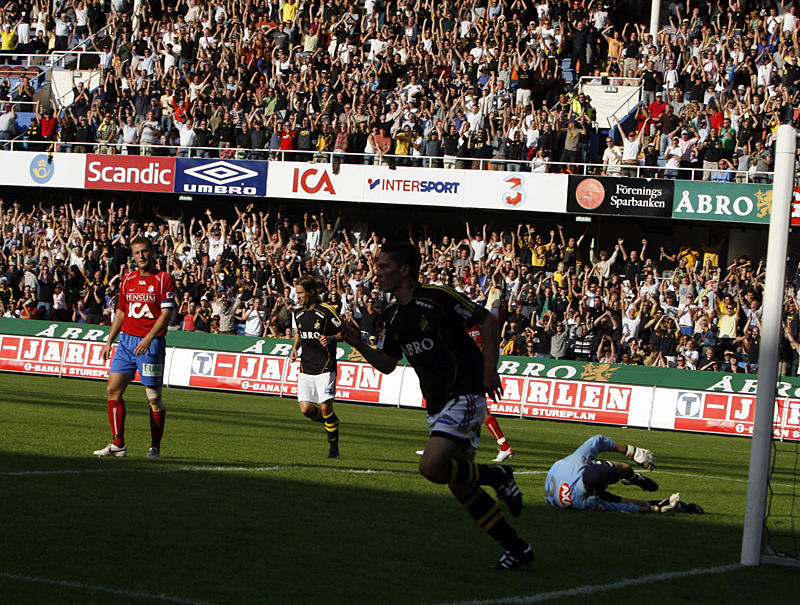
497 433
116 418
157 427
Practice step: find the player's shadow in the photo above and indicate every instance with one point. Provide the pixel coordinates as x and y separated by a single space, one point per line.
249 537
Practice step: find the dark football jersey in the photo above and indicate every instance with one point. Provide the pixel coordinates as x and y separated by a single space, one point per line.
310 324
430 332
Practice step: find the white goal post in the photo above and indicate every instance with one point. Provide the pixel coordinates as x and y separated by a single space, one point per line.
783 184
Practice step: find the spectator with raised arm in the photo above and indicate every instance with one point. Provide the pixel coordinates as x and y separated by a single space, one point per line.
632 145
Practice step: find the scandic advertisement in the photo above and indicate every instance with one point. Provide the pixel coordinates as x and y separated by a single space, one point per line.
594 393
620 196
130 173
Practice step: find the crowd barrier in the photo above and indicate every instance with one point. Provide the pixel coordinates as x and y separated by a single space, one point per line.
22 144
412 186
645 397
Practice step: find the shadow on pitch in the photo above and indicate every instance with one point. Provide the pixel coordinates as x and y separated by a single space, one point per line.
314 536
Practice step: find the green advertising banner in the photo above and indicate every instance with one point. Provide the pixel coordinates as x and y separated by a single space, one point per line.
230 343
669 378
621 395
734 202
524 367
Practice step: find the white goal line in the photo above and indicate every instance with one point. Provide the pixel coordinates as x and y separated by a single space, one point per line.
135 594
206 469
269 469
593 589
588 590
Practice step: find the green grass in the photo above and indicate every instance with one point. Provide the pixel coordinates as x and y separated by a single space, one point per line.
291 526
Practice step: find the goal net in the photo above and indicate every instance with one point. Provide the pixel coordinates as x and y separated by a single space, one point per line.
782 521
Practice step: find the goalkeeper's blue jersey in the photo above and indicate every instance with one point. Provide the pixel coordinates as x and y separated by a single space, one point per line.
564 486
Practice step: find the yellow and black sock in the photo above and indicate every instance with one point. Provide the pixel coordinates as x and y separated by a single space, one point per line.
469 472
314 414
332 427
487 514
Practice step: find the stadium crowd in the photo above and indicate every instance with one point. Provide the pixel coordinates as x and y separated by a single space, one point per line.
556 295
416 81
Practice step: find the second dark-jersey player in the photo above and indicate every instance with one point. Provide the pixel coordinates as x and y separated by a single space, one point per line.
316 325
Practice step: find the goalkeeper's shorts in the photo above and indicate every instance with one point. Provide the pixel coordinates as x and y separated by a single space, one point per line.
599 475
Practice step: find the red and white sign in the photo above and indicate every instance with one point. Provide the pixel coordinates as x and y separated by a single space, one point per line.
312 181
130 173
564 400
732 414
303 180
530 396
358 382
526 191
795 220
53 357
237 372
276 375
354 382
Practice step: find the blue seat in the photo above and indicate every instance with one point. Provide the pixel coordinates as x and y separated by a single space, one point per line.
24 119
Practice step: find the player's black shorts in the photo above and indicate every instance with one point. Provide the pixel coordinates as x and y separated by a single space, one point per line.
600 475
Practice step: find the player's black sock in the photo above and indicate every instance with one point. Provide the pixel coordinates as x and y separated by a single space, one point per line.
469 472
487 514
314 414
639 480
332 426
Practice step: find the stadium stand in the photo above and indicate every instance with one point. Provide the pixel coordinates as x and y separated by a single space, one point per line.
494 81
477 85
555 296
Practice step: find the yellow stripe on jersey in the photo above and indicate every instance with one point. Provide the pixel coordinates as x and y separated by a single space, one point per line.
331 309
455 293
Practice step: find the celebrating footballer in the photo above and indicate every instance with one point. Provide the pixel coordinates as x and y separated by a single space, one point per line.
429 324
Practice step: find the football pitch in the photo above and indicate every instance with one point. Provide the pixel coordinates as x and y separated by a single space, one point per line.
245 508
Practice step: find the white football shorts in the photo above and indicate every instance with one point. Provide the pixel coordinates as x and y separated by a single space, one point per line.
462 419
316 388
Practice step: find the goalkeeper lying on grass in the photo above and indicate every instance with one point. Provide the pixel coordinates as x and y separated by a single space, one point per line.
580 481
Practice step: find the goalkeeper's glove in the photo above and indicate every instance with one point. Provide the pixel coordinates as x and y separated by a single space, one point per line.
668 505
641 456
